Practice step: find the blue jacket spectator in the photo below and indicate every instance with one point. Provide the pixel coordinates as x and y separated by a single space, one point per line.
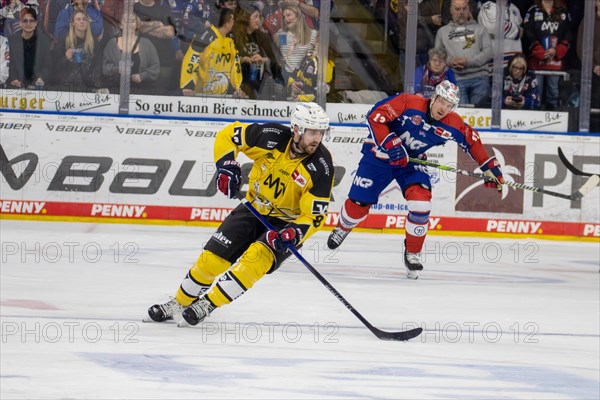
51 11
520 90
196 18
435 71
92 10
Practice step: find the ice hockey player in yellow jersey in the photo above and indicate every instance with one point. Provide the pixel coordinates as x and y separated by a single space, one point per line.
290 183
211 64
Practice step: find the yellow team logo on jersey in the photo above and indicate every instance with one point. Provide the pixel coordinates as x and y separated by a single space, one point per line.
217 83
469 41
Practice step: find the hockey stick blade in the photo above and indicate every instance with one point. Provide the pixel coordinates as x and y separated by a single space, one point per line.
383 335
574 170
402 336
587 187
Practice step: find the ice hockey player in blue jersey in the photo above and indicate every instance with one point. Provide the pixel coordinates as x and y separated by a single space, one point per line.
400 127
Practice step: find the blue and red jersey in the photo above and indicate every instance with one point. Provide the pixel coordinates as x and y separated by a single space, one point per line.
407 116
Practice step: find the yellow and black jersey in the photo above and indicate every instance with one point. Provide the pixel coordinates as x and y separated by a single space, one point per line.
211 65
294 190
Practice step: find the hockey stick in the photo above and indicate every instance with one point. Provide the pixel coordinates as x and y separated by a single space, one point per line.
401 336
574 170
587 187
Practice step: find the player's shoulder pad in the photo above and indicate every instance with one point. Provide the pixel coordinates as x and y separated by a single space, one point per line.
416 102
455 121
320 164
268 136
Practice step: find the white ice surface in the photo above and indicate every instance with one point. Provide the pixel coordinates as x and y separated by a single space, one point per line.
503 319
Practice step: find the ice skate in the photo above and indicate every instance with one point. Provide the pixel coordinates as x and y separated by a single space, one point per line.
412 261
197 312
337 236
163 312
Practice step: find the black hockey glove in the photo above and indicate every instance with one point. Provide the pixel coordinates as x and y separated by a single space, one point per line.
229 177
291 234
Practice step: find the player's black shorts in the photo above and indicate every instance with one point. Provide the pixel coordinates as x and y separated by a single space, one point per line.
238 231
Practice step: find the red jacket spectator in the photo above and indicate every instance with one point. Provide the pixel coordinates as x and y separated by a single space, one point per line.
548 33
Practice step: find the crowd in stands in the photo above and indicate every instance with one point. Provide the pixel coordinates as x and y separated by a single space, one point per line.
537 33
249 49
267 49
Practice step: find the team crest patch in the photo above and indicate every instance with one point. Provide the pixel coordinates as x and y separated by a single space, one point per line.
298 178
416 119
442 132
470 40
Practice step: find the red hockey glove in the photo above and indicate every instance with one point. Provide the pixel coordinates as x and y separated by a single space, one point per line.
229 177
493 174
393 147
291 235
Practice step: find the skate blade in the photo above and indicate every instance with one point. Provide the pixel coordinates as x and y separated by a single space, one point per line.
183 324
149 320
412 274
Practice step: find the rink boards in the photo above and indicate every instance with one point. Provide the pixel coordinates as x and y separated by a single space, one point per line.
141 170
